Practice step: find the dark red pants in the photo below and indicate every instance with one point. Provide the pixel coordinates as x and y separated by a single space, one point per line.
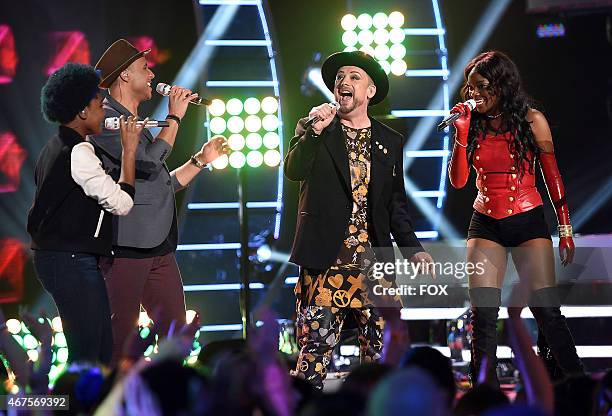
154 283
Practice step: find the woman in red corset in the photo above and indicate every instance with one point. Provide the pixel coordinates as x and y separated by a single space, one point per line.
504 139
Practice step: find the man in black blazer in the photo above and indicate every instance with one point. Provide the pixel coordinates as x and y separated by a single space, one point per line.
352 199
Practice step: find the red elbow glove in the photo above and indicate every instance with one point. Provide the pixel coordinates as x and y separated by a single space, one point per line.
458 169
556 191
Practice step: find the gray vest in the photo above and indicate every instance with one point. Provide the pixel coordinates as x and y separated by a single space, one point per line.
149 221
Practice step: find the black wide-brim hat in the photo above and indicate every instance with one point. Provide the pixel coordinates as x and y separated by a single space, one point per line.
361 60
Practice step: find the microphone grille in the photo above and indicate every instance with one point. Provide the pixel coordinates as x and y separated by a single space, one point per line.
334 104
163 89
111 123
471 103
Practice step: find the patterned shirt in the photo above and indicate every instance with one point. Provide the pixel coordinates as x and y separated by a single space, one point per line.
344 285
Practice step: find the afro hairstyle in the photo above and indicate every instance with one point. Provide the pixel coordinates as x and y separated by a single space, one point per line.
68 91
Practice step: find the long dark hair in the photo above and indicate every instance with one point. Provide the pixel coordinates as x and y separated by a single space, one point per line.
505 82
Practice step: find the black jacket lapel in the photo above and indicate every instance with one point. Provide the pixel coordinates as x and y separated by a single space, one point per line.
380 162
334 141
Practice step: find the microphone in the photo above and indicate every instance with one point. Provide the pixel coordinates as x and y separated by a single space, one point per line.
112 123
454 116
164 89
316 119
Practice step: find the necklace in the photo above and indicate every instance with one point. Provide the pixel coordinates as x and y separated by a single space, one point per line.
495 116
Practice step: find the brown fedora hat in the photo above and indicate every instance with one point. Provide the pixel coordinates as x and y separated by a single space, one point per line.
115 59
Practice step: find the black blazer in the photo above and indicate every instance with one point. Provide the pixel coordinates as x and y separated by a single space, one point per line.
321 165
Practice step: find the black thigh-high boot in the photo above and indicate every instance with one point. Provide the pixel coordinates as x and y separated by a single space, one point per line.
545 306
544 351
485 307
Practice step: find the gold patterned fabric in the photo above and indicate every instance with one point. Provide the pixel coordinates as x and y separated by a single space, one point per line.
343 285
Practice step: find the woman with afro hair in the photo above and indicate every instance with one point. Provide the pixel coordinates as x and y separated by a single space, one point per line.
70 219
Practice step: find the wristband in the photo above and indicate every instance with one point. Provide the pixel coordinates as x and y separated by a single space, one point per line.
175 118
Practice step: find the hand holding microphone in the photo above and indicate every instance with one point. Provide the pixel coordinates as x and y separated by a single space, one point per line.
130 132
164 89
321 116
459 111
178 98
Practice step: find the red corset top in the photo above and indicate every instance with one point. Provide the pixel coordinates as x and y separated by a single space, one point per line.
502 191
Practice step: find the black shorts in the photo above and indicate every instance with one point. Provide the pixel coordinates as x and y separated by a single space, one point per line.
510 231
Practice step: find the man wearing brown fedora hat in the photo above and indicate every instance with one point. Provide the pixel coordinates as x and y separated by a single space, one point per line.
352 198
143 269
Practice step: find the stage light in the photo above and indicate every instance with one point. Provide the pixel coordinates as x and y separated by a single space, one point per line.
8 55
254 159
397 51
235 124
261 119
62 355
348 22
252 105
368 49
553 30
396 19
397 35
254 141
13 326
150 349
252 123
234 106
71 46
398 67
221 162
271 140
155 56
216 108
144 332
237 160
272 158
189 315
380 20
269 105
350 38
30 342
365 37
32 355
236 142
381 52
12 156
143 319
381 37
59 339
217 125
364 21
56 324
270 122
264 253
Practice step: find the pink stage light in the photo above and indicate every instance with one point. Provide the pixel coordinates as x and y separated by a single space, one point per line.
12 262
69 47
156 56
8 55
12 156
